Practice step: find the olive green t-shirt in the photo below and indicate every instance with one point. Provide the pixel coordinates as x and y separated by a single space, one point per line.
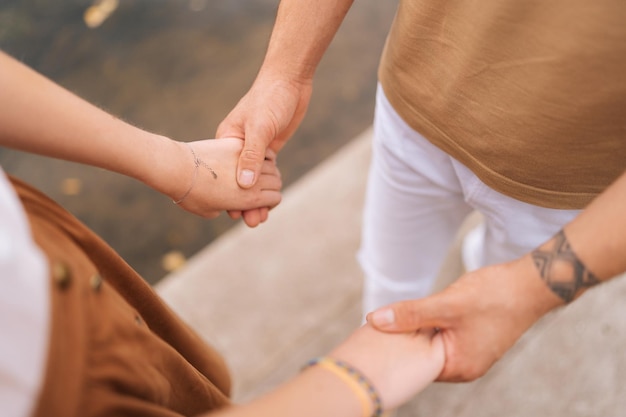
530 95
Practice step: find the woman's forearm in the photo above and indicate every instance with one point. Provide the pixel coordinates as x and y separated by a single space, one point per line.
394 366
42 117
313 393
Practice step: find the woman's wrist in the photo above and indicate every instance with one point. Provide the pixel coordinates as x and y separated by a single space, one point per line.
335 392
166 166
360 386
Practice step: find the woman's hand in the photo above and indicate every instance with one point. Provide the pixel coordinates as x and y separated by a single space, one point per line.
200 176
398 365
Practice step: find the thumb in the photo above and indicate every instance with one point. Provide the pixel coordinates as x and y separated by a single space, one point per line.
409 316
250 163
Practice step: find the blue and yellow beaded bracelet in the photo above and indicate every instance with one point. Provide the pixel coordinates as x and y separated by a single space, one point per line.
362 387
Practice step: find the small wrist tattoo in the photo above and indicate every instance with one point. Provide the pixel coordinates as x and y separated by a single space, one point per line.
561 269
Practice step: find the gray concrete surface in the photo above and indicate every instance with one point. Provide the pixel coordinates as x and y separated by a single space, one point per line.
271 298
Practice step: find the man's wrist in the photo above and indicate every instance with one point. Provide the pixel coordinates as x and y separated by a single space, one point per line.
561 269
292 75
537 297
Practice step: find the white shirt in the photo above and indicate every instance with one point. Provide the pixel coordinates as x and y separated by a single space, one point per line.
24 308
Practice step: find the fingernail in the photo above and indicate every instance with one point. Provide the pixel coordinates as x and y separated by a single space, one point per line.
383 317
246 177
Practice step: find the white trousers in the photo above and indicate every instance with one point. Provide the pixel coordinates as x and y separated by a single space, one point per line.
417 197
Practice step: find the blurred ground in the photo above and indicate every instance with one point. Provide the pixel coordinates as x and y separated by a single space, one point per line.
177 67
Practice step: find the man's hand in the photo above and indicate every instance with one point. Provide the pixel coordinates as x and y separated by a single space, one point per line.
201 179
265 117
480 316
272 110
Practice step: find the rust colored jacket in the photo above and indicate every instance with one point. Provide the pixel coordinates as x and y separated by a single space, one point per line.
115 348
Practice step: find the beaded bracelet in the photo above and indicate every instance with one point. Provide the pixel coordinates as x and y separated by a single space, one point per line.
362 387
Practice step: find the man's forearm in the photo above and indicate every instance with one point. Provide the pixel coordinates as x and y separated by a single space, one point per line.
302 33
590 249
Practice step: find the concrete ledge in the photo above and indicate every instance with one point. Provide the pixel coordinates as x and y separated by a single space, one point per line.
271 298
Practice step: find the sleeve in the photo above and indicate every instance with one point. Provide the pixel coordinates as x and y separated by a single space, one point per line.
24 308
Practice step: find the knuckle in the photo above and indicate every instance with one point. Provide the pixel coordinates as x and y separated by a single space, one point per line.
252 155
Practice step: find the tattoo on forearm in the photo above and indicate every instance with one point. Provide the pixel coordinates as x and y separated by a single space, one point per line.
561 269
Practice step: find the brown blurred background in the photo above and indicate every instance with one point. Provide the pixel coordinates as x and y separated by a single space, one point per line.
177 67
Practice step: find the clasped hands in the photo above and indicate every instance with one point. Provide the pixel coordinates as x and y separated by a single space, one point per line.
480 316
203 181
